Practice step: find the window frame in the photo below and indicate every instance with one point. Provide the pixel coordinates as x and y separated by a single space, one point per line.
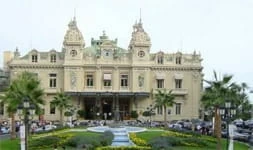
52 109
124 80
107 82
52 80
159 110
53 58
34 58
159 83
89 80
178 108
178 83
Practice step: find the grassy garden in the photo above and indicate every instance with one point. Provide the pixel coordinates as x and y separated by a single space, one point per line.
151 139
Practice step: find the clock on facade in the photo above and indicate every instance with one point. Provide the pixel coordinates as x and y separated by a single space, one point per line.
141 53
73 53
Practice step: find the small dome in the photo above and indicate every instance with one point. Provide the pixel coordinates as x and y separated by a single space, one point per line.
73 36
139 36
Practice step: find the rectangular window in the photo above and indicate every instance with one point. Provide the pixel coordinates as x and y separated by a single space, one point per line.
160 83
52 80
123 80
107 79
52 108
34 58
160 110
178 83
107 82
89 80
178 108
53 58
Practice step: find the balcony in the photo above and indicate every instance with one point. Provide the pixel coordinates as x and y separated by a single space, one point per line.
179 91
106 88
124 88
89 88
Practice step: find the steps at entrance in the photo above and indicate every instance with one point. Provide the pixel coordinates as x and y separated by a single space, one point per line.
121 137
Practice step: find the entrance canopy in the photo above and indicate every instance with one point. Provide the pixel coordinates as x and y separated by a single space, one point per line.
120 94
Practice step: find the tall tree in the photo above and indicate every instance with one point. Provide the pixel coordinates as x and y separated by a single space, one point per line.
164 99
27 85
215 95
62 102
241 101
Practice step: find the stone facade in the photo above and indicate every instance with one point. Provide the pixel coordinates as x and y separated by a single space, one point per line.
106 79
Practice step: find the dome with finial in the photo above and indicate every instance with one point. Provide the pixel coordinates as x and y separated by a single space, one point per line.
139 36
73 36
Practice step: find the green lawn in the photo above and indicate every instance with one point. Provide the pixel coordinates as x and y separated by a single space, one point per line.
211 146
9 144
14 144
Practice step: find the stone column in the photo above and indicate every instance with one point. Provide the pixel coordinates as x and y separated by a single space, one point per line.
117 115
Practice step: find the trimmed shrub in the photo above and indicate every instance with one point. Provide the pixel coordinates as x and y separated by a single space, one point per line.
196 142
81 113
49 141
160 143
90 143
44 142
79 140
134 114
106 138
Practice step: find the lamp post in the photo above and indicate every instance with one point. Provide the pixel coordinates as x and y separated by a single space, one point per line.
27 110
227 112
150 111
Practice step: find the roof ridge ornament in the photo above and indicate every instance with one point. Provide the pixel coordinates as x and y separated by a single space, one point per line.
72 23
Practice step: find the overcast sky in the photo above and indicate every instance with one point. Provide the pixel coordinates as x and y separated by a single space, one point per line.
221 30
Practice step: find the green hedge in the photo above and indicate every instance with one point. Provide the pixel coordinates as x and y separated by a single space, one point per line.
45 142
81 141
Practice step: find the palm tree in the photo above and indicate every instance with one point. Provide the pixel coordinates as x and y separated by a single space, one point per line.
241 101
214 96
164 99
25 85
62 102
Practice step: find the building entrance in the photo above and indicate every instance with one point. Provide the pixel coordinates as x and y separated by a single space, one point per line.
107 111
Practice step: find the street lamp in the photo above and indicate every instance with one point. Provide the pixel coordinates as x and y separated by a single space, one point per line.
227 112
27 110
150 111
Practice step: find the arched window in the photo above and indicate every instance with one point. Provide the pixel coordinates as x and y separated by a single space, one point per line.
178 60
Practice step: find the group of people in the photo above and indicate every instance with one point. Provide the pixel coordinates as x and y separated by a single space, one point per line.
204 130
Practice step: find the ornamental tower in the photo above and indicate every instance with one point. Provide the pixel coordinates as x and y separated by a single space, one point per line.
73 43
140 43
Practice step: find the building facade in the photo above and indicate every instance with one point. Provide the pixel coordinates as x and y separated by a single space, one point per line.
106 79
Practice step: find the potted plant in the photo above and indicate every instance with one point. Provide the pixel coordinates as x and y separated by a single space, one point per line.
134 114
81 113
